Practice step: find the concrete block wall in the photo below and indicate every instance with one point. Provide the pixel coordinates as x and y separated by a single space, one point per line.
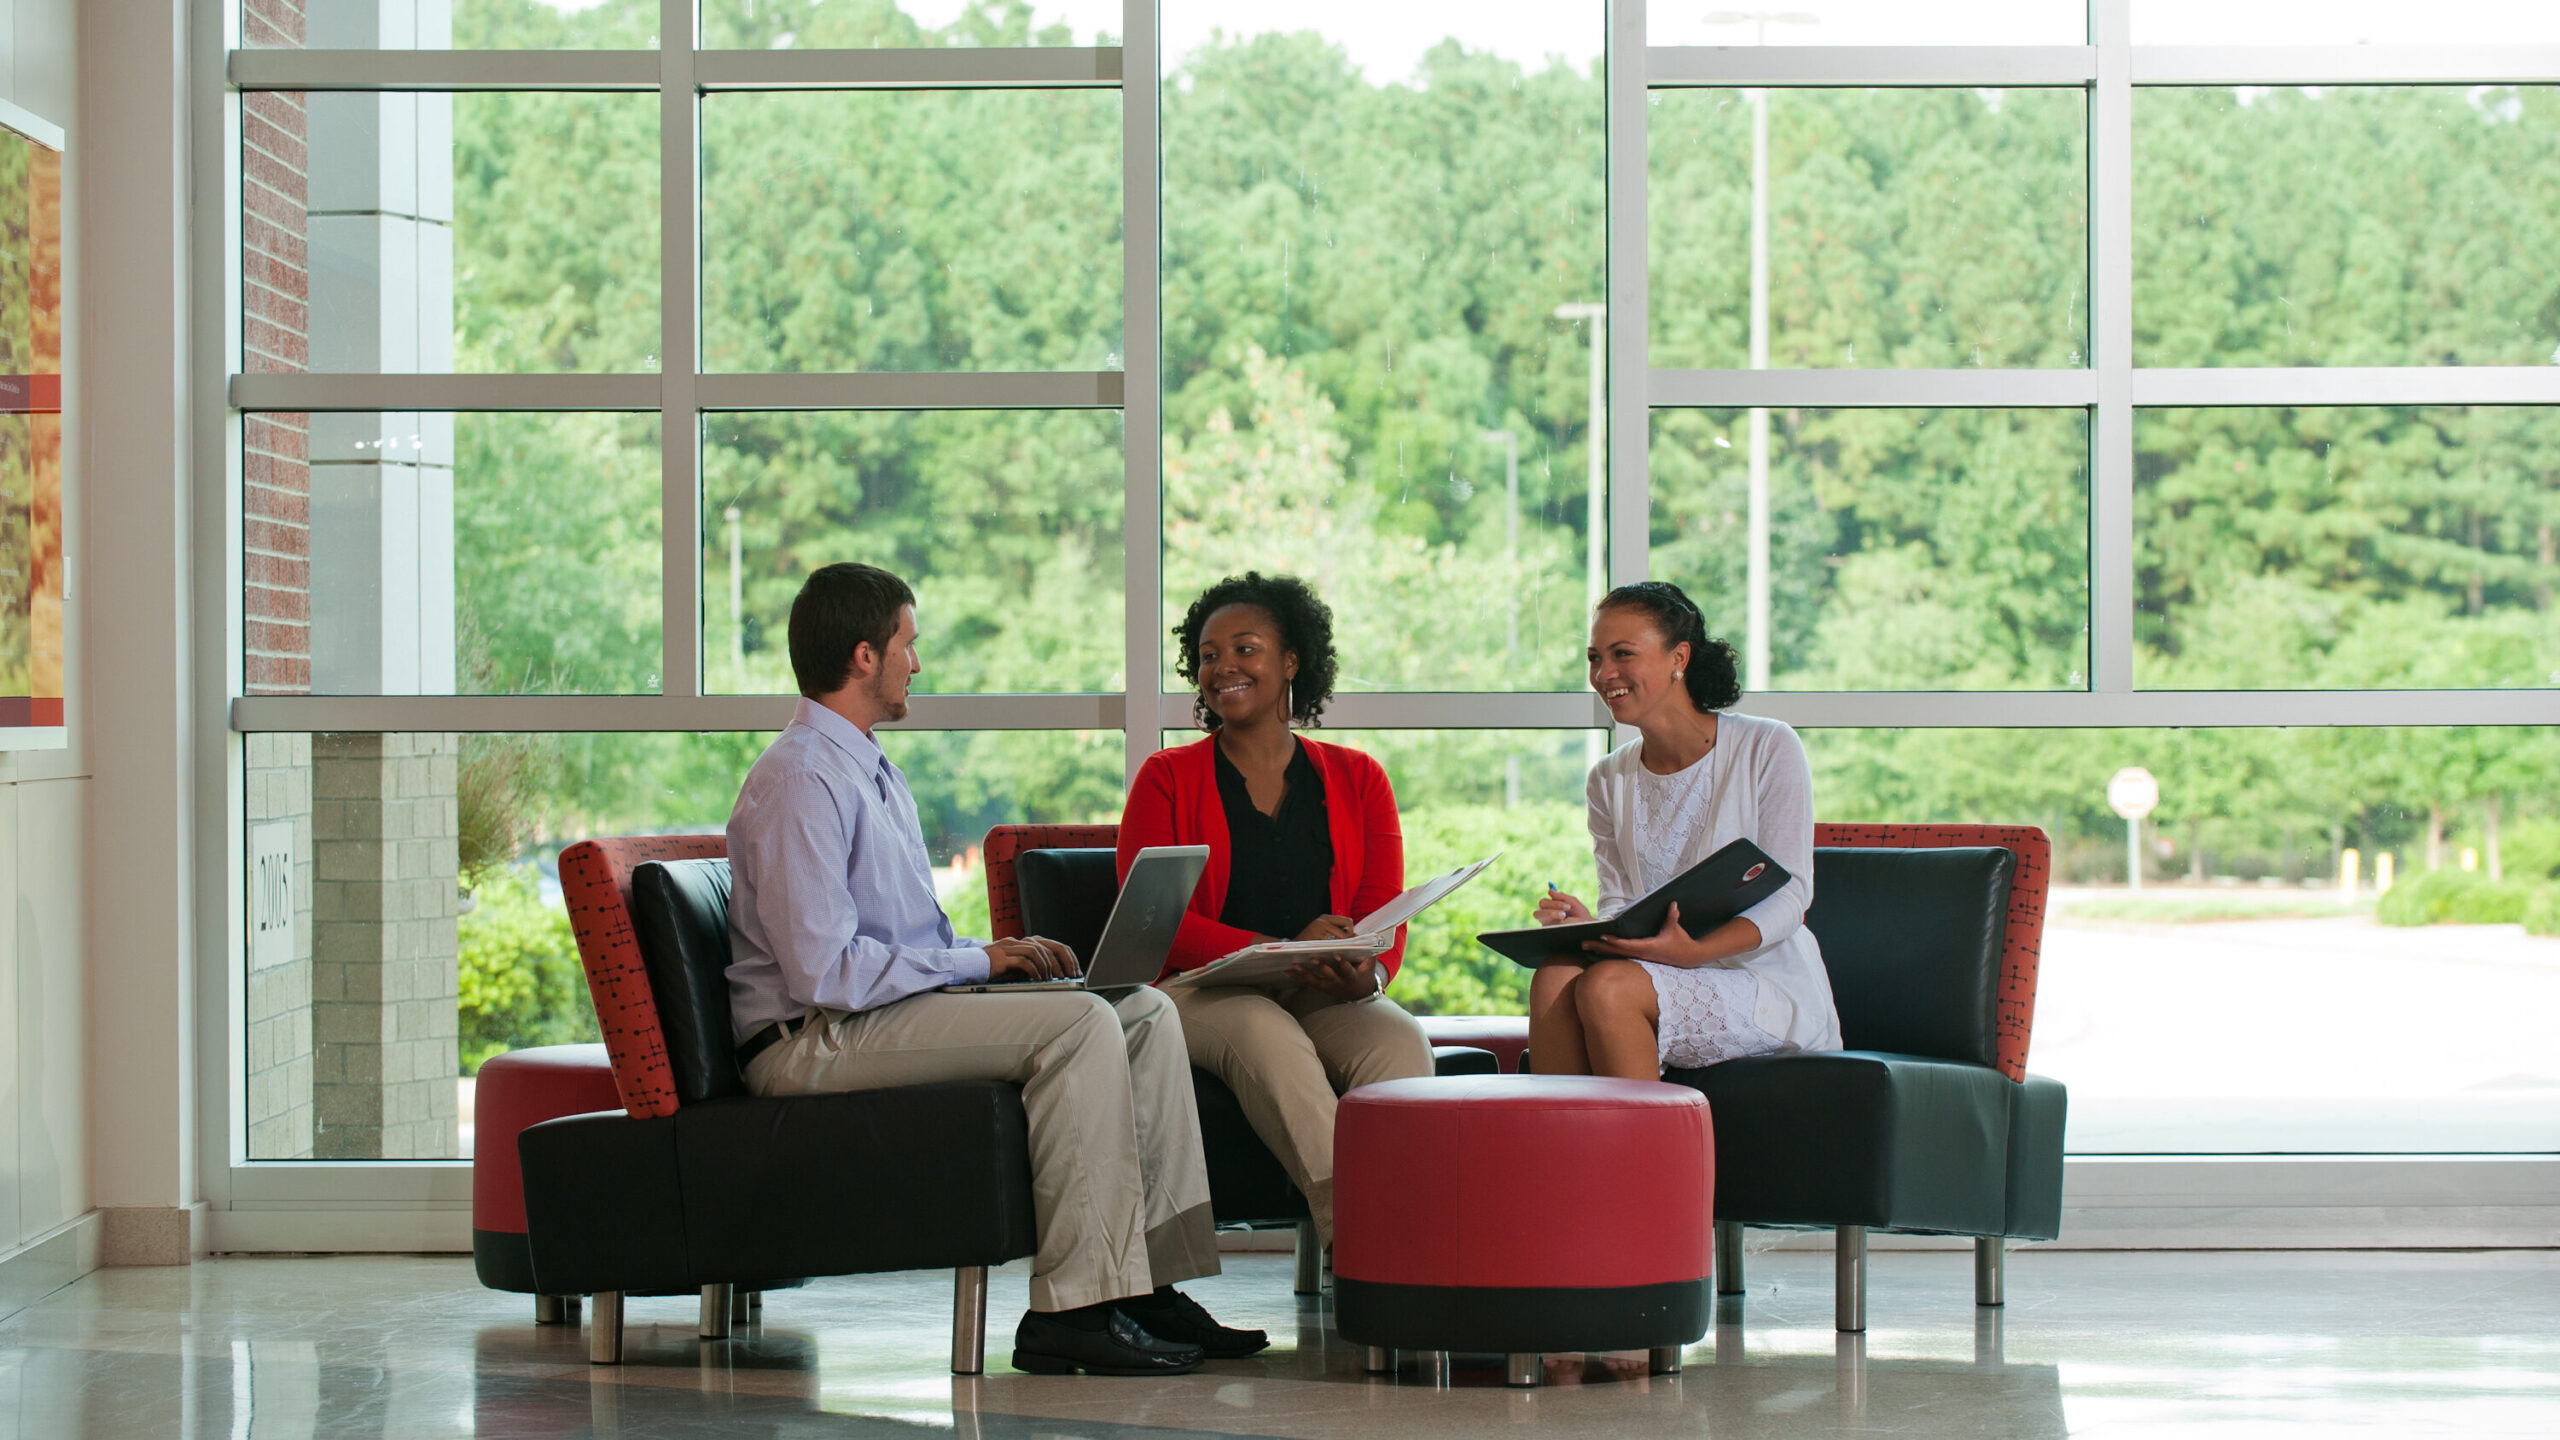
384 922
282 1122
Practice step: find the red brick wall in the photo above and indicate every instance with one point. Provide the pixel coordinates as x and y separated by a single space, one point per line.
275 290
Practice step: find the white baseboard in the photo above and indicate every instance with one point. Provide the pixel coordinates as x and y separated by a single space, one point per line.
50 1261
351 1230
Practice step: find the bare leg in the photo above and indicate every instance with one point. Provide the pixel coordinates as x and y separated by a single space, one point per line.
1621 1019
1555 1028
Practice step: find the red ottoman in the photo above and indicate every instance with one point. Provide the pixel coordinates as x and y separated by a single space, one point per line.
1522 1214
516 1090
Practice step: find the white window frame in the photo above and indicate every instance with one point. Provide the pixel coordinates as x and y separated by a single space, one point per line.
2498 1199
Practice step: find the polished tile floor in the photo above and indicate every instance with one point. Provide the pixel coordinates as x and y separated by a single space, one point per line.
2197 1344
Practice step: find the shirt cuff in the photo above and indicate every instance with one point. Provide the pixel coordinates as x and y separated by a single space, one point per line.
1774 908
967 966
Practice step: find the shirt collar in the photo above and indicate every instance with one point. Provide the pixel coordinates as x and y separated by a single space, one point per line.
864 751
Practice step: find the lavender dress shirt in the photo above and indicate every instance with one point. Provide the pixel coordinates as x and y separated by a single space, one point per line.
831 900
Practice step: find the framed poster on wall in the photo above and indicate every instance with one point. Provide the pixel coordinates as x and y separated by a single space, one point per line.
31 582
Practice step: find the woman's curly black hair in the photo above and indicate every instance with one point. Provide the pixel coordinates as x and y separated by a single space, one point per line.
1714 677
1306 628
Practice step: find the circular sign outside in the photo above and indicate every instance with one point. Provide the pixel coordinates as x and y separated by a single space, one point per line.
2133 793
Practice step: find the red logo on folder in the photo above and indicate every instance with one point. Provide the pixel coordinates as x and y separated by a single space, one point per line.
1750 875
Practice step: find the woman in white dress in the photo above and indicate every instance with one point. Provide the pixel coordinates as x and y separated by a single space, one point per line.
1694 781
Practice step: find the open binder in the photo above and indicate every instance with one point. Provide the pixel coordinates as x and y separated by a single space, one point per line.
1708 893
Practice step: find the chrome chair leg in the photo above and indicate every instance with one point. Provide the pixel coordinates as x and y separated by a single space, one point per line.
555 1309
1665 1360
1728 1258
1310 1279
1990 1270
604 1329
1377 1360
1850 1372
1988 1346
1521 1369
1849 1279
742 1307
969 1320
715 1312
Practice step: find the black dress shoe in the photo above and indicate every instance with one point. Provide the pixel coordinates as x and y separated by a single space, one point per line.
1046 1344
1169 1314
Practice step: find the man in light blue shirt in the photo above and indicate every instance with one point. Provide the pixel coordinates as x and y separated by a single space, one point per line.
840 950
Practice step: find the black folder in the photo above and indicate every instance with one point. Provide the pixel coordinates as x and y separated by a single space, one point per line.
1708 893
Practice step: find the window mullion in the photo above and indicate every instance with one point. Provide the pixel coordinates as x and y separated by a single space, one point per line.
680 354
1142 346
2111 593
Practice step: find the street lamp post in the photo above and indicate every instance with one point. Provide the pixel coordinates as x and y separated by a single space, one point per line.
1755 640
1597 312
1510 444
1596 524
737 602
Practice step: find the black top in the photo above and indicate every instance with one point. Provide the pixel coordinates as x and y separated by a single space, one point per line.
1279 867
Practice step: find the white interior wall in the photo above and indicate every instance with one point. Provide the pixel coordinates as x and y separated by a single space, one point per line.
45 1191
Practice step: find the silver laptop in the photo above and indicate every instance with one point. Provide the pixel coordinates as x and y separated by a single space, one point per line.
1139 934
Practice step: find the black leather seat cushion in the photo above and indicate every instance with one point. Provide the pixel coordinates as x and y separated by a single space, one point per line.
1905 1142
759 1191
1067 894
680 917
1913 942
2037 1111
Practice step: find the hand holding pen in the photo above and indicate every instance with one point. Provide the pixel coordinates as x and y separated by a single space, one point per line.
1557 908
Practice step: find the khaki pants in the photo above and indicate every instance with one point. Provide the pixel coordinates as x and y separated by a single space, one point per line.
1118 1187
1287 1054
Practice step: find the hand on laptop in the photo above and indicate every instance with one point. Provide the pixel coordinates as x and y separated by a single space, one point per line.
1031 958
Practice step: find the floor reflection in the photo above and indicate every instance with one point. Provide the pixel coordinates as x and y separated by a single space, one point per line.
404 1346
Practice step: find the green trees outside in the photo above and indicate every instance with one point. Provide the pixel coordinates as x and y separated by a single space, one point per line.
1360 282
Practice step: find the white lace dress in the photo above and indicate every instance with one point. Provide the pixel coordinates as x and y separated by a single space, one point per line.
1709 1013
1647 828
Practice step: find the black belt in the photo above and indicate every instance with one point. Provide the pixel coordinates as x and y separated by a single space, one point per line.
765 1039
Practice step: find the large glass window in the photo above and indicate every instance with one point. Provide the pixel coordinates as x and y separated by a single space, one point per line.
1873 22
2349 548
448 25
909 231
2347 225
411 924
912 25
1331 292
426 553
1383 318
2308 897
2343 22
1900 229
1006 523
1906 549
402 233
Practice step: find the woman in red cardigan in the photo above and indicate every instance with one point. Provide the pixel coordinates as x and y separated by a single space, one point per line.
1302 838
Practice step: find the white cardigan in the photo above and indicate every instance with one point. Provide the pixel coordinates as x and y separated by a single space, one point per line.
1763 791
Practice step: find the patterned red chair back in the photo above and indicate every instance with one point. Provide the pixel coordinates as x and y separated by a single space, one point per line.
595 880
2027 889
1004 896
